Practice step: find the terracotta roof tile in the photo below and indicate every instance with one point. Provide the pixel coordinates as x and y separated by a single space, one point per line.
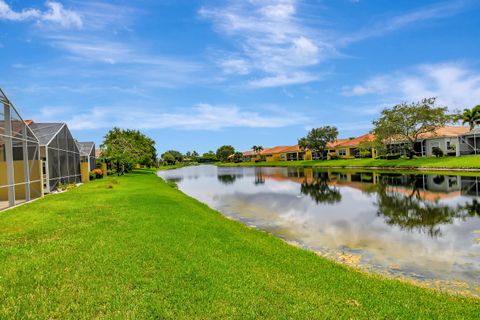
336 143
447 131
357 141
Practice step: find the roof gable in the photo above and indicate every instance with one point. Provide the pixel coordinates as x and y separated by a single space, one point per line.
45 132
86 147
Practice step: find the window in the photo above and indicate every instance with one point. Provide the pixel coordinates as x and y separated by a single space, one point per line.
342 152
434 145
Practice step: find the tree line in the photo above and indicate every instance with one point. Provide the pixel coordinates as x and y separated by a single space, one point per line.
223 154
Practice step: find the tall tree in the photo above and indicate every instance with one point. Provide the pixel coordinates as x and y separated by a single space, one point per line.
209 156
125 148
408 122
470 117
168 158
224 152
237 157
195 155
318 138
176 154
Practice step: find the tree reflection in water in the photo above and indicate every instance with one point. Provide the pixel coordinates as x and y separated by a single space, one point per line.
319 190
259 176
227 178
409 211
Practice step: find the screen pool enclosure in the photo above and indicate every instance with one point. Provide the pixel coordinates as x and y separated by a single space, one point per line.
87 154
60 154
20 165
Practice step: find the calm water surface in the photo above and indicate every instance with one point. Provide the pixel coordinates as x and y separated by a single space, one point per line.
421 228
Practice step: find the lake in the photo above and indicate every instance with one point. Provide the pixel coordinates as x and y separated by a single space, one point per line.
422 228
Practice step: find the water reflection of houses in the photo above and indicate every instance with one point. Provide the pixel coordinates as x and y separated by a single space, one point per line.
427 187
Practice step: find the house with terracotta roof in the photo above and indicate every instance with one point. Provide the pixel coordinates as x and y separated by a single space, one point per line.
279 153
349 148
446 138
450 139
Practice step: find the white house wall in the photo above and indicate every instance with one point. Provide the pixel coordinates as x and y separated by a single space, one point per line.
442 144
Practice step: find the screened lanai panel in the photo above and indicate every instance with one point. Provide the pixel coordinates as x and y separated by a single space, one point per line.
62 140
18 126
19 160
72 146
3 163
2 120
35 189
93 159
71 167
20 193
4 203
33 161
63 164
77 165
54 143
31 136
53 167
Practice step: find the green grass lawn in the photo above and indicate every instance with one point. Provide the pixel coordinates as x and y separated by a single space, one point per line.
139 248
465 162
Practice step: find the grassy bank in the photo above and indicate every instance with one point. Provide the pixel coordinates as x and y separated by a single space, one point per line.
133 247
465 162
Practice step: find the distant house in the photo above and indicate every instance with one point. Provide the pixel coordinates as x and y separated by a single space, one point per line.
446 138
88 154
249 156
349 147
20 166
279 153
60 154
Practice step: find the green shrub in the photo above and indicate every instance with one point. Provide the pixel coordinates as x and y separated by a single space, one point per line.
334 157
365 154
393 156
91 176
437 152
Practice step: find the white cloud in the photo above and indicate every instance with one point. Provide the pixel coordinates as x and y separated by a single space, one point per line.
64 17
377 85
455 84
426 13
55 13
201 117
235 66
271 39
6 13
283 80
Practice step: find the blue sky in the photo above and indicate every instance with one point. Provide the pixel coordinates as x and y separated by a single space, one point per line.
195 75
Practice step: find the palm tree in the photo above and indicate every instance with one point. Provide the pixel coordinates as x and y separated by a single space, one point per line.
470 116
257 149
